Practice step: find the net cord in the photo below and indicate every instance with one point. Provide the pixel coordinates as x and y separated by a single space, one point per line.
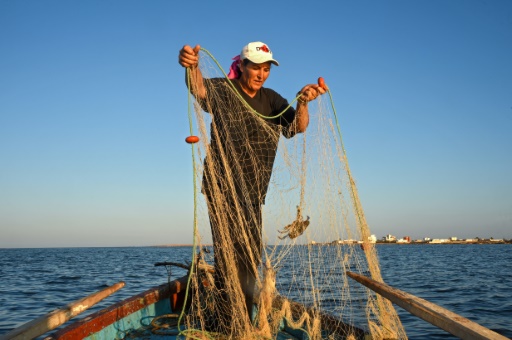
358 209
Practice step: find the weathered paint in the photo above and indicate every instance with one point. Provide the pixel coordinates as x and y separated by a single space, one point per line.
79 309
133 321
116 321
126 314
45 323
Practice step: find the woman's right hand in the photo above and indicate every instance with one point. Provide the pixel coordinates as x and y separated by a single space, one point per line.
189 57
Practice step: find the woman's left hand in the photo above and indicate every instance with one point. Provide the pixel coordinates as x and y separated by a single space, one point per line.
311 92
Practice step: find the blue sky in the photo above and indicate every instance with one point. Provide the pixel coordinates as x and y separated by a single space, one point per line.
93 111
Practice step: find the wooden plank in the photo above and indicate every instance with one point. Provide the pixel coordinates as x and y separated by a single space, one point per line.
52 320
106 317
430 312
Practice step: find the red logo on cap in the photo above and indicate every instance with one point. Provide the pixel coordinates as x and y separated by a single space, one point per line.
263 48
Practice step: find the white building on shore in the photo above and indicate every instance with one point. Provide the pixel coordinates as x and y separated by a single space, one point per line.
439 240
389 238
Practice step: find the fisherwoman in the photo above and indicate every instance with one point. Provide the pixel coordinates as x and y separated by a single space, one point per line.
236 175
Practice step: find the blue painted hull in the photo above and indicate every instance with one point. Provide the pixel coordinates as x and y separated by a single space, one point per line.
138 318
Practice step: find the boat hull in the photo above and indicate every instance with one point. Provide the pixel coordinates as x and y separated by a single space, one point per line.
133 318
133 313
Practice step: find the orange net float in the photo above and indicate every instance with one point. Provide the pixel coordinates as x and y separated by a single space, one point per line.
192 139
321 83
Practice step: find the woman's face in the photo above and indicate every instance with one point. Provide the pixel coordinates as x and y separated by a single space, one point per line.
253 76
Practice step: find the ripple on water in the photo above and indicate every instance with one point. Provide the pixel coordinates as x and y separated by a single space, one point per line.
474 281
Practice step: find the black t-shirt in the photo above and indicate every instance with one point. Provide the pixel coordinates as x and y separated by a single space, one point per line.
243 144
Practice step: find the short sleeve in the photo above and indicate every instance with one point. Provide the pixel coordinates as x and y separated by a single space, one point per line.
286 119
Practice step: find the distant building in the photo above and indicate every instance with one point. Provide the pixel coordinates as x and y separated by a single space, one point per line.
349 241
389 238
439 240
453 238
427 239
372 238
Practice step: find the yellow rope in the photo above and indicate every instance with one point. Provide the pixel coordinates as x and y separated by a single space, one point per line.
194 246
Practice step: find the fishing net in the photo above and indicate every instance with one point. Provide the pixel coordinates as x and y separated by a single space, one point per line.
312 224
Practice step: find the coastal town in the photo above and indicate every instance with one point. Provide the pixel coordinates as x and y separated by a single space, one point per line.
452 240
391 239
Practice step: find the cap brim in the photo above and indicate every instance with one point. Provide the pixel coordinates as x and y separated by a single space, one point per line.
263 60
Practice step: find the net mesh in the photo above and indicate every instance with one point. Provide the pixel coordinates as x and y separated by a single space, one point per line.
312 227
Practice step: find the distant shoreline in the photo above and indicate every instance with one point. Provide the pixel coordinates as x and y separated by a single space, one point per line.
378 242
174 245
452 242
437 243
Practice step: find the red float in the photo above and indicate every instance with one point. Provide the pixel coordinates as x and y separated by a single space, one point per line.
321 83
192 139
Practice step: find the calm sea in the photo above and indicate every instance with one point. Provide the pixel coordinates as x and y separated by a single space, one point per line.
474 281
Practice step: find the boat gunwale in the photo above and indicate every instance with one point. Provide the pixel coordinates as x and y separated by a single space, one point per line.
109 315
105 317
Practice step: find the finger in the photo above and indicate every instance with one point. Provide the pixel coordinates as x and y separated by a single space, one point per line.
304 89
313 91
321 90
185 61
190 52
186 49
186 64
187 57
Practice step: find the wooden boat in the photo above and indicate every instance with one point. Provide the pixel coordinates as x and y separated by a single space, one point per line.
133 318
155 313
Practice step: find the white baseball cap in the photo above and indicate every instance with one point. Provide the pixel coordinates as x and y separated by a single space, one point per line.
258 53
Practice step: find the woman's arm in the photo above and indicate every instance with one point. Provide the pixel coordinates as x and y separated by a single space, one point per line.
307 93
189 58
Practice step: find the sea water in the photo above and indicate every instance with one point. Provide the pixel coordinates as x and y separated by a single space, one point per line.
474 281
